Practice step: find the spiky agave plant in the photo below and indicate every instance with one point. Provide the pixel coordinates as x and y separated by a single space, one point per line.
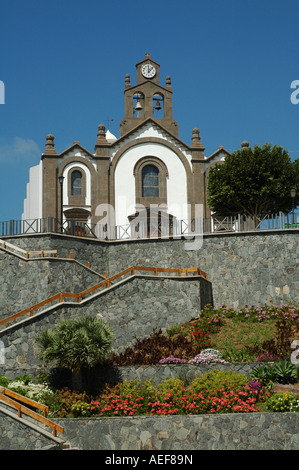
285 372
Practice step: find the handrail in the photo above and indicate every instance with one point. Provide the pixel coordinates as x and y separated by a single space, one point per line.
30 309
106 282
27 253
29 401
9 397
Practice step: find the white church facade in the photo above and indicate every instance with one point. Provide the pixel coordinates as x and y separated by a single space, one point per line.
146 170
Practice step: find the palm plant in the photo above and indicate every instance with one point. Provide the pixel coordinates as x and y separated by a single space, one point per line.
76 344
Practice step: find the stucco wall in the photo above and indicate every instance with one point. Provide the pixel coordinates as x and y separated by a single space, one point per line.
125 198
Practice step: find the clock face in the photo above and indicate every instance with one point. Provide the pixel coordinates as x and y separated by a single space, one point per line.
148 71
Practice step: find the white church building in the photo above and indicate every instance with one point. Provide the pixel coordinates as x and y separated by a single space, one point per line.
142 179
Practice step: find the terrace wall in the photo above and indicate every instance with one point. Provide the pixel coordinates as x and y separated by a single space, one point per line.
253 431
244 268
133 308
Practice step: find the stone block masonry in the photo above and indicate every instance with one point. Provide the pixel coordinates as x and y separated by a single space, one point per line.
25 283
253 431
244 268
82 249
133 308
19 434
160 372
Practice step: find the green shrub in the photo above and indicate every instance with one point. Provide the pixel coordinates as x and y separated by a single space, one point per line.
218 379
175 386
282 402
233 354
137 388
25 379
76 344
38 392
19 387
65 399
3 381
80 409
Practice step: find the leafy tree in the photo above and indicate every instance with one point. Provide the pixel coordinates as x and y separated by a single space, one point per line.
76 344
254 182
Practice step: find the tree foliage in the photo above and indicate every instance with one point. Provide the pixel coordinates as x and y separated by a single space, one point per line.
76 344
253 182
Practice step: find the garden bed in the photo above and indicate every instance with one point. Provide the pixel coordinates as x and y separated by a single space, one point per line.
211 389
215 340
253 333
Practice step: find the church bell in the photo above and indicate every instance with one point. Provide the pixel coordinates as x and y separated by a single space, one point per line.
138 106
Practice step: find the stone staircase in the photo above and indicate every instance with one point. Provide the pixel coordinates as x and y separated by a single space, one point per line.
26 429
97 289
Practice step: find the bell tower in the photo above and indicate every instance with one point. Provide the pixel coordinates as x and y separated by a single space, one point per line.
148 99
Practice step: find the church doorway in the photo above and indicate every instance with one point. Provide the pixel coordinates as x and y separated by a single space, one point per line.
76 220
151 222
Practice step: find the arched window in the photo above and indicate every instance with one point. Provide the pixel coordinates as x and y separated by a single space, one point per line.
150 181
76 183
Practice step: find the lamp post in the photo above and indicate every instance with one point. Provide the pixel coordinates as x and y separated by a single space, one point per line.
61 178
293 195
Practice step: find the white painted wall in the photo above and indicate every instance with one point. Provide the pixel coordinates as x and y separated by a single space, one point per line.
219 157
152 130
125 198
33 201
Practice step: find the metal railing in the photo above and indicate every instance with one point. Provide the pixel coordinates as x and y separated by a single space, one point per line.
156 229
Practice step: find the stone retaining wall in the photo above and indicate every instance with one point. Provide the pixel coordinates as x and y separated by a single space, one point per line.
19 434
133 309
244 268
254 431
25 283
158 373
82 249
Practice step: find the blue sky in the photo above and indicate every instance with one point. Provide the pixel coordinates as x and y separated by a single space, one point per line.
63 65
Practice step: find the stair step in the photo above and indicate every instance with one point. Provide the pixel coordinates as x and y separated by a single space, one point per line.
68 446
